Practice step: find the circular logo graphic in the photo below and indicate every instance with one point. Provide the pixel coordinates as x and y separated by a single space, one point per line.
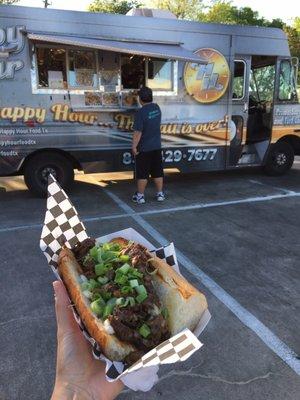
207 82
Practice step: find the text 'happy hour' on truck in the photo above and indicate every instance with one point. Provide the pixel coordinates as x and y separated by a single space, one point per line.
69 81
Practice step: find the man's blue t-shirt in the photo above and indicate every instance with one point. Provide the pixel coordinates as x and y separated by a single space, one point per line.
147 120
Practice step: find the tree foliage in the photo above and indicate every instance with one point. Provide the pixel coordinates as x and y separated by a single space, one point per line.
113 6
8 2
183 9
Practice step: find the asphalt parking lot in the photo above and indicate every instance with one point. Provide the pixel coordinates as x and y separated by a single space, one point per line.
237 234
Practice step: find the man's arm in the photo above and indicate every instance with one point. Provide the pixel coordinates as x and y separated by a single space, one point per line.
135 141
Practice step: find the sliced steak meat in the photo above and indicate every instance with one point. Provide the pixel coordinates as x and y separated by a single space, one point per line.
133 357
124 332
88 269
81 249
138 254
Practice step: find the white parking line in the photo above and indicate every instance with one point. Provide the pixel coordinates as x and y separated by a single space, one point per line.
287 191
248 319
165 210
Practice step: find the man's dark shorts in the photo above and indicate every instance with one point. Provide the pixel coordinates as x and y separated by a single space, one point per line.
149 163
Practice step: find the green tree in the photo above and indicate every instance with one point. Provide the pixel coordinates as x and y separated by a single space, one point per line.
224 12
8 2
297 24
113 6
183 9
221 12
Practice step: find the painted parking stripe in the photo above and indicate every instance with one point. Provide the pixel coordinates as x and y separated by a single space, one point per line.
248 319
287 191
165 210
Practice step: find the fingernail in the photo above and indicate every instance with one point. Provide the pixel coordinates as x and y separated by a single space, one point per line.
54 284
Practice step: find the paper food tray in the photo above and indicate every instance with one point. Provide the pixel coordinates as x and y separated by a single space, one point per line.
62 225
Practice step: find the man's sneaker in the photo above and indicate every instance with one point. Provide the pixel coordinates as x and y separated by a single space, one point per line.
138 198
160 196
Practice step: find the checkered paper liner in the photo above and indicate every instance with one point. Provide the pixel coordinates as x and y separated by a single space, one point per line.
62 226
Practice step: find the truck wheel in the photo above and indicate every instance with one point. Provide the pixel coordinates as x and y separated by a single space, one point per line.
38 168
280 159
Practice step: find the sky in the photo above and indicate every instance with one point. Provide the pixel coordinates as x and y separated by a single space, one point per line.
286 9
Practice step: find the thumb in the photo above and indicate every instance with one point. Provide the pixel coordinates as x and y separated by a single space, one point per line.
64 316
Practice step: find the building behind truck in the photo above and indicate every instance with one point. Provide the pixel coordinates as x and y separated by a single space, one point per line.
69 81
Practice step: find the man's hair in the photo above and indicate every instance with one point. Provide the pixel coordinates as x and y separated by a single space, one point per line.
145 94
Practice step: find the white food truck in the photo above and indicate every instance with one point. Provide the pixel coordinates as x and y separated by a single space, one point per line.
69 81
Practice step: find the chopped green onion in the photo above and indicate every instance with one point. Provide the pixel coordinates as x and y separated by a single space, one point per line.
126 289
165 313
106 246
134 273
113 246
128 301
121 279
96 296
141 297
141 289
134 283
110 255
131 301
106 295
144 331
94 252
87 294
98 306
101 269
85 285
124 257
112 301
108 309
102 279
124 269
120 301
93 284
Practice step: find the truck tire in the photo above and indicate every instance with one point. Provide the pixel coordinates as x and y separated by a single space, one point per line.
38 168
280 159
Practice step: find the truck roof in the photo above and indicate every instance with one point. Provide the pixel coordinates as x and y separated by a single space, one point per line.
58 17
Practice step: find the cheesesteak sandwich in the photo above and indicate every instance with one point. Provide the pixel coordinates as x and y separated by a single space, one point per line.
128 300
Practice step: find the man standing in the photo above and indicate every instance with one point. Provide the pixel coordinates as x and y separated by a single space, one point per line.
146 146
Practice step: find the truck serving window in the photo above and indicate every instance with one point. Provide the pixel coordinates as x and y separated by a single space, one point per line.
132 71
82 69
160 74
238 88
287 86
51 63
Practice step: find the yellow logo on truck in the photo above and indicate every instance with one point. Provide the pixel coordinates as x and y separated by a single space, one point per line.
207 82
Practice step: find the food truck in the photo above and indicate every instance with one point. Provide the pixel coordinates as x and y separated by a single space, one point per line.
69 82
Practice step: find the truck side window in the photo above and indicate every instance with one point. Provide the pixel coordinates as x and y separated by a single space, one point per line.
160 74
132 71
51 63
82 69
287 87
238 89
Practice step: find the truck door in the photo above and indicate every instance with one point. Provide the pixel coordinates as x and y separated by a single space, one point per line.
256 107
240 108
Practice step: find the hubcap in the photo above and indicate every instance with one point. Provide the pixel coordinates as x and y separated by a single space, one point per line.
281 159
45 173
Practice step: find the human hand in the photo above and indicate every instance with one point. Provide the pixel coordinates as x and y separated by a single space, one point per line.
79 376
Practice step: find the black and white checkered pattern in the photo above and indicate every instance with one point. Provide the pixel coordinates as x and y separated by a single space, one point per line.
167 253
178 348
62 225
